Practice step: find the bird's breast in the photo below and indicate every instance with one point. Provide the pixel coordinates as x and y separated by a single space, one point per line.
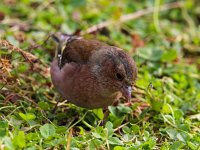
80 86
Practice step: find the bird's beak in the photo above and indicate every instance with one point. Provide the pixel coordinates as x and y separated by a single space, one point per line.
126 92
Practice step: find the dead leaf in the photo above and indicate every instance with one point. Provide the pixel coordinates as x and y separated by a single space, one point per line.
2 16
13 97
20 36
137 41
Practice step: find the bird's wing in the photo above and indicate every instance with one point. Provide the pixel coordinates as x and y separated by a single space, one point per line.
75 49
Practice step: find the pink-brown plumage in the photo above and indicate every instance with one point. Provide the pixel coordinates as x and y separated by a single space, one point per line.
90 76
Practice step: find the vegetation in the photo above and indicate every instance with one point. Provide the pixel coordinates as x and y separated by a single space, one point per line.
164 40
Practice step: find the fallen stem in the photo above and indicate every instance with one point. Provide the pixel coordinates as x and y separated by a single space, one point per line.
132 16
27 56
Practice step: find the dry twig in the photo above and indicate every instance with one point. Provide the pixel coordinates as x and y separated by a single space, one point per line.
32 59
27 56
132 16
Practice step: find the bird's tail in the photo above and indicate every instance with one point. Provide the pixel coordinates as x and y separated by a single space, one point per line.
62 41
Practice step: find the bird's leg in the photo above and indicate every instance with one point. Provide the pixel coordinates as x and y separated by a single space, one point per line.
106 113
55 107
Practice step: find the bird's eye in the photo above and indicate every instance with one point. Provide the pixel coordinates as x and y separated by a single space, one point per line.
119 77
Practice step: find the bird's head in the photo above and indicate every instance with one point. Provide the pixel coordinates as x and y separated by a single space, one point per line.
114 69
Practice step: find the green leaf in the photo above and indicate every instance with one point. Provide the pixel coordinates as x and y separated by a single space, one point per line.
47 130
61 129
19 139
150 143
44 105
27 116
119 148
113 110
114 141
146 135
166 109
3 128
150 53
172 133
22 67
109 127
176 145
124 109
99 113
99 133
156 105
169 55
32 136
126 129
178 114
135 128
8 143
191 145
184 127
183 136
95 143
31 148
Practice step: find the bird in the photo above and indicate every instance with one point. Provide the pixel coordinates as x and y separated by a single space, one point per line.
91 74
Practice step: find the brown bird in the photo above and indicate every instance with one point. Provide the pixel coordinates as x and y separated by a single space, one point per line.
90 73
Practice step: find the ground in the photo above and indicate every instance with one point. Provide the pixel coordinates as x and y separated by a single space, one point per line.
163 37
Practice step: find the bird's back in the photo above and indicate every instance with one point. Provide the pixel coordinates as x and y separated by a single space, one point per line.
79 50
75 49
